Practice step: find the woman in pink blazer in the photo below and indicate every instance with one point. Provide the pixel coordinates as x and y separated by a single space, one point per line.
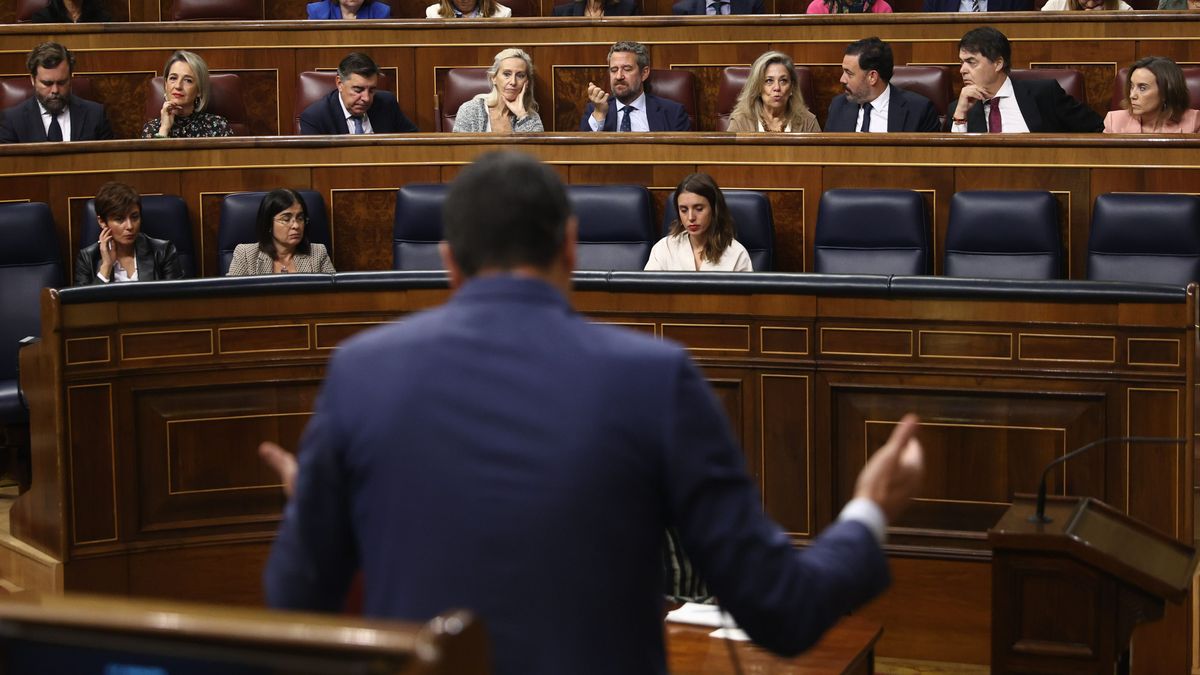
1156 101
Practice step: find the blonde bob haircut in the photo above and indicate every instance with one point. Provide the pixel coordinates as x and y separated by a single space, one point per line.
493 96
749 104
487 9
199 69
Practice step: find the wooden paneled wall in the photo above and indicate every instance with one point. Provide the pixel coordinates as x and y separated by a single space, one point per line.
358 177
569 53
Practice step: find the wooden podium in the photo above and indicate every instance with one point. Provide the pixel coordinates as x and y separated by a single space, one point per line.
1066 594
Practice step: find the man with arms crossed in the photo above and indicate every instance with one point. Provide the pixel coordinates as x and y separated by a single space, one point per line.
505 455
633 109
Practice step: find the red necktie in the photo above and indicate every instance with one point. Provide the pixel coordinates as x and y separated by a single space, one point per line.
995 126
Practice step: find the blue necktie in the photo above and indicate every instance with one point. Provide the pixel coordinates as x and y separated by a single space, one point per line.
626 125
54 133
866 124
358 127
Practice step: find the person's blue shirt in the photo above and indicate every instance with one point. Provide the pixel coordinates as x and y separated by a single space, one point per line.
332 9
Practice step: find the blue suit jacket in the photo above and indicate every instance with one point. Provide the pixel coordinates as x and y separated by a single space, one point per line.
330 9
993 6
700 7
504 455
907 111
22 123
661 113
325 116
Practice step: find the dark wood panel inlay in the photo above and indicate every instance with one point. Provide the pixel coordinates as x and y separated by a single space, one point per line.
362 231
1069 348
1151 412
786 462
166 344
781 340
1076 586
329 335
648 328
123 95
704 337
194 467
867 341
1153 352
244 339
965 345
88 350
569 84
93 502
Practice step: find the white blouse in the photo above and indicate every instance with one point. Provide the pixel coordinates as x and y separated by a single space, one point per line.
674 254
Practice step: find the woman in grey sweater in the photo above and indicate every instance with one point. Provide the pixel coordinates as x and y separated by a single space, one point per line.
509 107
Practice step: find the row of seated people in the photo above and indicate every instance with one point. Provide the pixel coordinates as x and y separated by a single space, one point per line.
94 11
1154 95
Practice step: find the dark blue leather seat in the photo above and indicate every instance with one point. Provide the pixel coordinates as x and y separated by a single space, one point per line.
239 211
1151 238
417 227
29 262
753 222
1011 234
163 217
615 226
872 232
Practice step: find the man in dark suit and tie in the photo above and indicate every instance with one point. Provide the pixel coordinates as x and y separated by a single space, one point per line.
357 106
633 109
717 7
993 102
870 103
504 455
978 6
53 114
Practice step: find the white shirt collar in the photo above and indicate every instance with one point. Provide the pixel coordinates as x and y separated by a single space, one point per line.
1006 90
638 103
346 115
881 101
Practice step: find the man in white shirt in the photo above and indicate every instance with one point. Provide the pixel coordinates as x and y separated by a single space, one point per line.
993 102
53 114
634 109
869 102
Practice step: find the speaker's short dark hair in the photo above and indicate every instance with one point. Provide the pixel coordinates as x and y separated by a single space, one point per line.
506 210
989 43
357 63
873 54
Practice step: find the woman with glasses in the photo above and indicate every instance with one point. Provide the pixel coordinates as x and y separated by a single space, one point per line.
283 244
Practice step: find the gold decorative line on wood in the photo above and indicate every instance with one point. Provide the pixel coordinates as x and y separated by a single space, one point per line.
921 345
319 326
762 339
107 350
1174 465
1054 336
112 448
867 330
218 418
221 332
207 331
745 328
1175 342
633 325
762 449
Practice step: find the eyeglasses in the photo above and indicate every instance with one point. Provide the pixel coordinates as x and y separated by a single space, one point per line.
288 219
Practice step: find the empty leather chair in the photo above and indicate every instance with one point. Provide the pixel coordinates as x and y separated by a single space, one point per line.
1003 235
871 232
417 228
932 82
753 223
1191 77
239 211
1150 238
216 10
615 226
678 86
226 101
733 78
313 85
29 262
163 217
27 8
461 85
1069 79
17 88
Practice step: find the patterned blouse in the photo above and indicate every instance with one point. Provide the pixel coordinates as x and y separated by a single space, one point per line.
197 125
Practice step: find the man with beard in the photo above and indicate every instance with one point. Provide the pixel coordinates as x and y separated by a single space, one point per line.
53 114
634 110
870 103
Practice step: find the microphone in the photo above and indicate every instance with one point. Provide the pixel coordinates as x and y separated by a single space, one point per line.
1040 515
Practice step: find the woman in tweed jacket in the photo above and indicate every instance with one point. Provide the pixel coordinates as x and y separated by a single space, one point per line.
283 244
509 107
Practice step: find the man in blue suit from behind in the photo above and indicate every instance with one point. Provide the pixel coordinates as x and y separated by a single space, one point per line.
505 455
630 108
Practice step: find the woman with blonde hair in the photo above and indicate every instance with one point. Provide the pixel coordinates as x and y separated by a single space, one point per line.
467 9
1085 5
771 99
509 107
185 93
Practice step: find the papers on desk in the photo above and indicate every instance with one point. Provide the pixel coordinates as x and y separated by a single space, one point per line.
708 615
